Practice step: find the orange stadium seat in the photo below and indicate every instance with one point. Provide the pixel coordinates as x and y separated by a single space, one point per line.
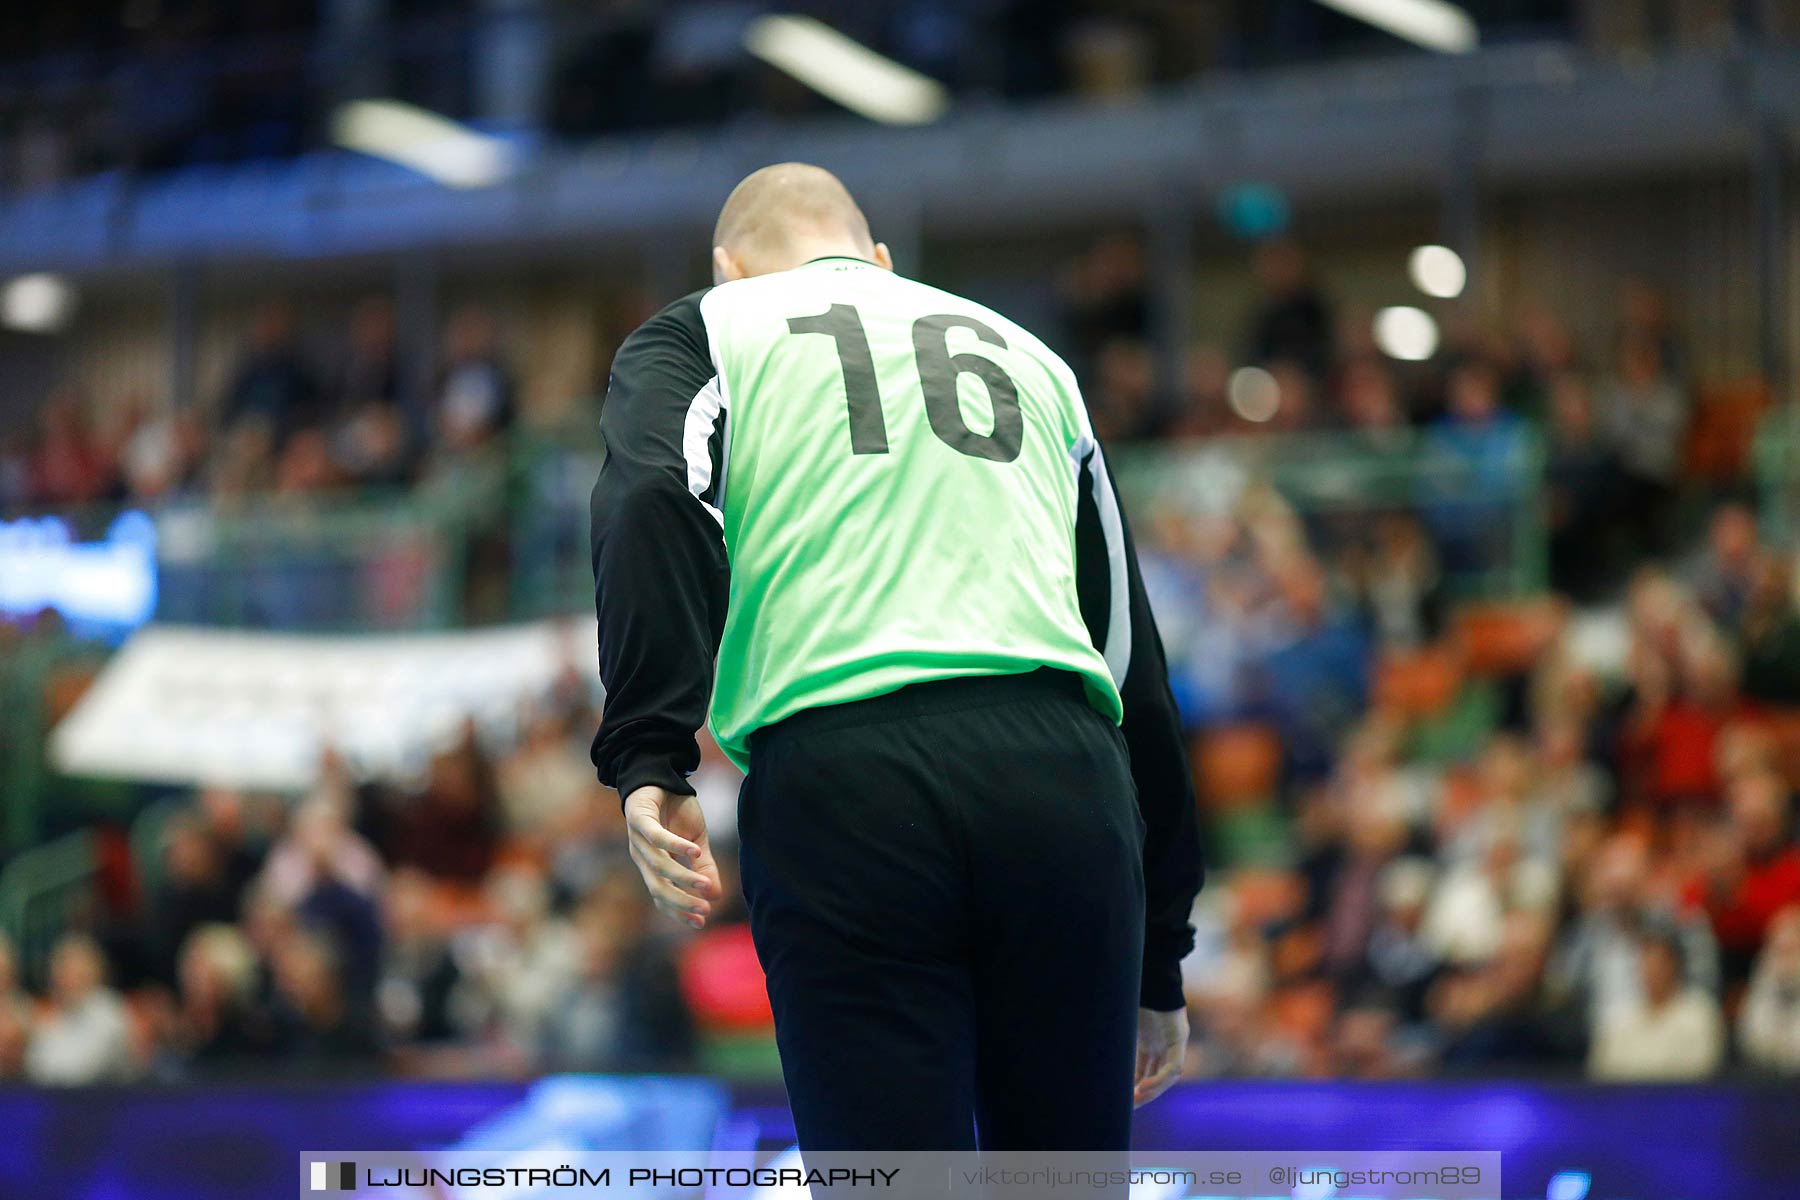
1505 638
1417 683
1723 427
1235 765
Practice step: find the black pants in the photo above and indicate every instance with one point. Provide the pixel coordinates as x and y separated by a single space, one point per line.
946 893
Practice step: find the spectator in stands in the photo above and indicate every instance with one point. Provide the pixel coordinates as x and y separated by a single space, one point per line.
82 1037
475 391
452 829
1293 321
1123 397
1201 403
1674 1033
15 1037
1106 296
15 1016
195 890
420 984
1752 870
1769 638
319 847
1489 1011
1644 411
1401 963
525 959
221 1026
374 444
272 386
1769 1022
1368 404
1724 575
1395 582
1596 970
319 1027
68 462
1683 697
542 782
1582 479
1482 448
160 453
623 1010
224 816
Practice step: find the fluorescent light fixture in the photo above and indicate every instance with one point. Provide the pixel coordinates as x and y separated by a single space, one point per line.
1438 271
845 70
40 303
436 147
1434 24
1408 334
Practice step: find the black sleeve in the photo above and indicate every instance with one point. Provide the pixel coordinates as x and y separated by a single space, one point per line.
1152 727
660 571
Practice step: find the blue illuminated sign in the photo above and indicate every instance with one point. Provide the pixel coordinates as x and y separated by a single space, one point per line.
109 584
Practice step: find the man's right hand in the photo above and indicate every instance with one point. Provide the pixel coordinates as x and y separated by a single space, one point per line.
667 834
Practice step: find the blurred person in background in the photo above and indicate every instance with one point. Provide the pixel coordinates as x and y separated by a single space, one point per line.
68 463
1395 582
272 386
1769 638
474 402
320 1027
320 847
1369 408
1769 1022
82 1036
623 1009
451 830
1481 444
1401 963
1596 971
15 1015
1293 321
373 442
1751 870
523 960
1106 296
194 890
1724 575
1581 477
1124 395
420 992
1673 1033
1490 1011
544 781
1644 410
220 1023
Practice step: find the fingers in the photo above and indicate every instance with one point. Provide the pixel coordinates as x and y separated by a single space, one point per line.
646 828
1166 1068
665 860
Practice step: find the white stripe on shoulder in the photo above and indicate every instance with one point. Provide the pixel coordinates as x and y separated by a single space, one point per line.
704 412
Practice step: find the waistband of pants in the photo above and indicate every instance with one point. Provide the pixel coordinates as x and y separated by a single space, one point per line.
928 698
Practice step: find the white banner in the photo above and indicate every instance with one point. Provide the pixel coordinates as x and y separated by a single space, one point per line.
256 710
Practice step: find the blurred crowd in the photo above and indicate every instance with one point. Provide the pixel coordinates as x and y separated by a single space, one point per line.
286 422
1451 833
1452 828
484 920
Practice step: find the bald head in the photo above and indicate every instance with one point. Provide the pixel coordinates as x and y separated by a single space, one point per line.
786 215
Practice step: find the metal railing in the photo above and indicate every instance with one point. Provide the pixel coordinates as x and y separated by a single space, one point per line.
40 890
1481 503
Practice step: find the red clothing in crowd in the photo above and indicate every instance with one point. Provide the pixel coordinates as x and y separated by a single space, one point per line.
1742 919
